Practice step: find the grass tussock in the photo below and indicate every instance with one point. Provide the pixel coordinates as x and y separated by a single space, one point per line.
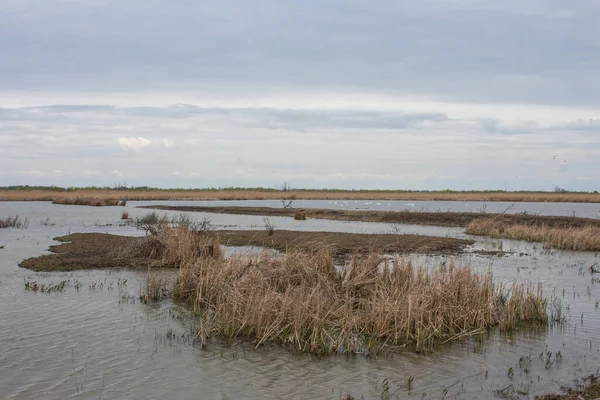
581 238
153 223
304 301
14 222
125 215
155 287
171 247
300 216
89 201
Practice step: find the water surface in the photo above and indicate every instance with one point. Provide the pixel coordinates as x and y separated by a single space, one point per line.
100 341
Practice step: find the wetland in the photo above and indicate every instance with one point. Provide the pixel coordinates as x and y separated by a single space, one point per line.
89 334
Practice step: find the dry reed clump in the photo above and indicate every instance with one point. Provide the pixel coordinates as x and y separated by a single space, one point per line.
14 222
302 300
153 223
155 287
89 201
300 216
586 238
171 247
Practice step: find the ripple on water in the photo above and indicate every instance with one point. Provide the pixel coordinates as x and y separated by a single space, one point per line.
50 341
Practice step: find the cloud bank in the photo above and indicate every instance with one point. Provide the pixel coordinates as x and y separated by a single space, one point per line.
416 94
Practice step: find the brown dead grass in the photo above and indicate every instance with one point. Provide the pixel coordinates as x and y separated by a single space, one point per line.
89 201
300 216
581 238
303 301
254 194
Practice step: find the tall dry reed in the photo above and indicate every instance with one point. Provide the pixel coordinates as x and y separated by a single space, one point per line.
306 302
96 201
156 287
586 238
173 247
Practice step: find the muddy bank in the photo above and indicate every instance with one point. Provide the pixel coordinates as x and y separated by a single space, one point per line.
445 219
343 244
88 251
100 250
589 390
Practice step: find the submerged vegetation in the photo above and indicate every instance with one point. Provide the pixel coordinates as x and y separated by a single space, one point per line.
14 222
582 238
46 287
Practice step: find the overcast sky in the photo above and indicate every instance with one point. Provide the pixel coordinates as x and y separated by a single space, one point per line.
413 94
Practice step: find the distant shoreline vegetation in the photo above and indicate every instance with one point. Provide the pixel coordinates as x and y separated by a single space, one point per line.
555 191
99 195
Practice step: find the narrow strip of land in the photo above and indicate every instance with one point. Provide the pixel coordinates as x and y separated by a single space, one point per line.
446 219
100 250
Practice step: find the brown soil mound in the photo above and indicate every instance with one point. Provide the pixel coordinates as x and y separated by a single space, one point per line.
88 251
344 244
99 250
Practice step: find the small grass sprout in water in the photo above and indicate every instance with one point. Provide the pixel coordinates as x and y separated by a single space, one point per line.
46 287
14 222
155 287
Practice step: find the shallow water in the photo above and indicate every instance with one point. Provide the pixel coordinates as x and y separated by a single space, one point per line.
100 341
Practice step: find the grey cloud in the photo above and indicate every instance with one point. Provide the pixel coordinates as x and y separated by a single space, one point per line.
583 124
498 126
66 108
307 119
513 51
267 118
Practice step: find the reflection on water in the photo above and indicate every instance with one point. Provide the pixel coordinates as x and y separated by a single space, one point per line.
96 340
